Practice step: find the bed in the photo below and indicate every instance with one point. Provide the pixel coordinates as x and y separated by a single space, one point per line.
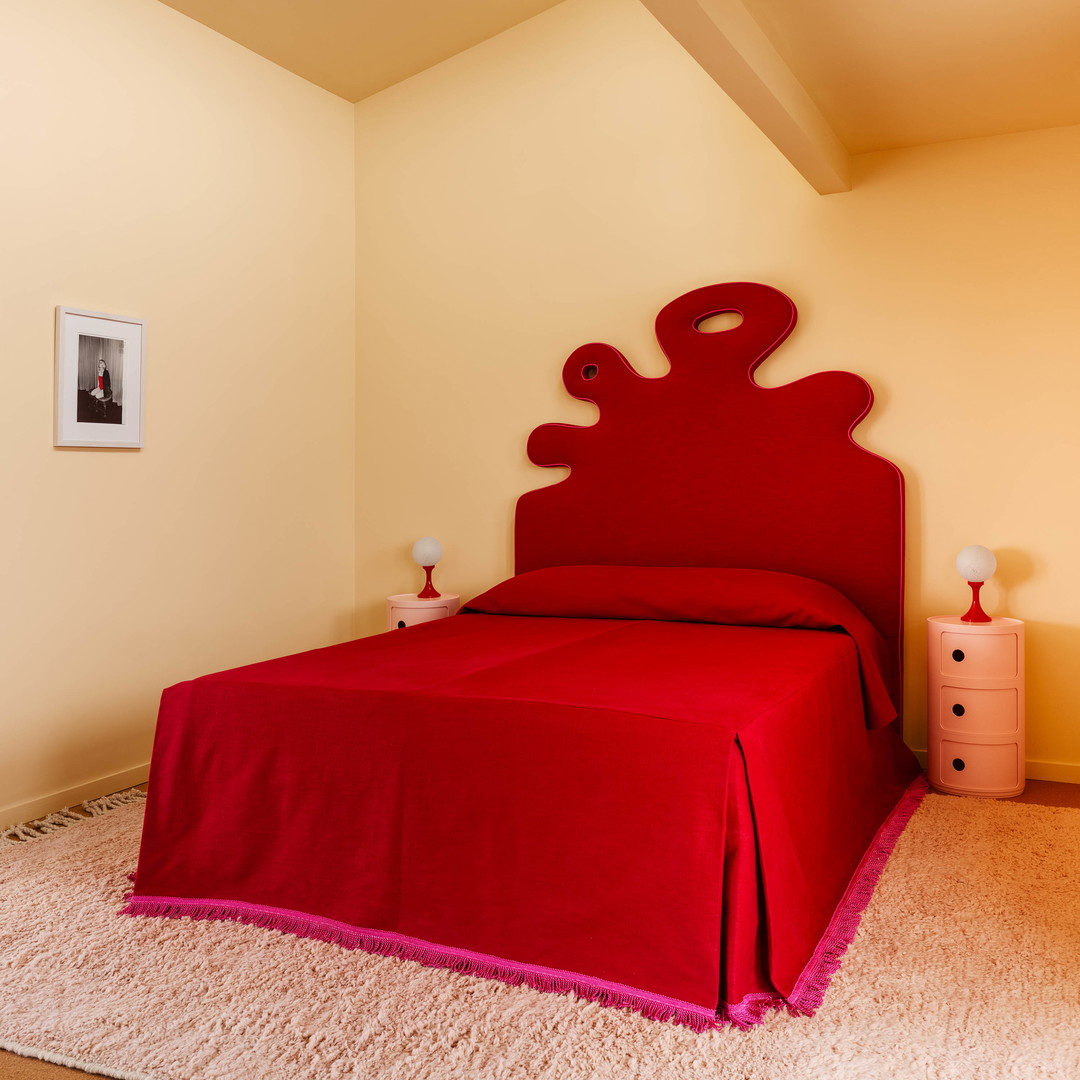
659 767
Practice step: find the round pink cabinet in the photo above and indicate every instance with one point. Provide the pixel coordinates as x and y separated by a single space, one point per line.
975 720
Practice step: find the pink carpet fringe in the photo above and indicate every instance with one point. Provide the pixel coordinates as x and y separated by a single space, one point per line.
805 1000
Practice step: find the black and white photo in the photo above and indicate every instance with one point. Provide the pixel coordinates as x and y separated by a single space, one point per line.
100 362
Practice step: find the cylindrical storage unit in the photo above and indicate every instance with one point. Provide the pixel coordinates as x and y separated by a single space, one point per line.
975 717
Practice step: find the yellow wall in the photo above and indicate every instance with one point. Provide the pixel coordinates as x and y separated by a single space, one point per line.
157 170
563 181
555 185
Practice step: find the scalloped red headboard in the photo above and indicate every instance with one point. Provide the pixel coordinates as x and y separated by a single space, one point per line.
703 467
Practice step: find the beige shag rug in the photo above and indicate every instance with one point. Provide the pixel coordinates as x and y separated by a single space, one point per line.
966 967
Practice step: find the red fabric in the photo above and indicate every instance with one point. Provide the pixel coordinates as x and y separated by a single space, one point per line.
705 467
590 795
698 594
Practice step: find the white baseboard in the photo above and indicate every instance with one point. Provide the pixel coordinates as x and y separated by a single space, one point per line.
94 789
1060 772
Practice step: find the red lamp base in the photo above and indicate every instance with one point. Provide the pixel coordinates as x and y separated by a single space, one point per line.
975 613
429 592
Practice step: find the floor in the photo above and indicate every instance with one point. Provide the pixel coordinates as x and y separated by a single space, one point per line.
13 1067
1045 793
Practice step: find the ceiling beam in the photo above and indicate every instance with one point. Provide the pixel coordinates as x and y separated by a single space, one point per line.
724 38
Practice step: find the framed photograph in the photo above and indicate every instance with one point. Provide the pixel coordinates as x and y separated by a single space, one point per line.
100 370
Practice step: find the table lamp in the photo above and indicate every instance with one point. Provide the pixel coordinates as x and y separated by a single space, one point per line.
976 564
427 552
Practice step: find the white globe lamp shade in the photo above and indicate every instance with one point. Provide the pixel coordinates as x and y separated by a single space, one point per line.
976 563
426 551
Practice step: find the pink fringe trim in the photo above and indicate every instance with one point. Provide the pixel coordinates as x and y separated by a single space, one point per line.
805 1000
810 988
389 943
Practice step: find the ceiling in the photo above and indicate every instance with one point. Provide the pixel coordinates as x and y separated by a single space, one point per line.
355 48
893 73
883 73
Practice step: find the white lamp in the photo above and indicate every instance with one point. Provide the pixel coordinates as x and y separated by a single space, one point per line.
976 564
427 552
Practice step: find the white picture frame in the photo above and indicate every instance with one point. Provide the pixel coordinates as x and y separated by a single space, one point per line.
100 379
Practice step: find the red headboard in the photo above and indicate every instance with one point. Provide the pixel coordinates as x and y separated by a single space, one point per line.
703 467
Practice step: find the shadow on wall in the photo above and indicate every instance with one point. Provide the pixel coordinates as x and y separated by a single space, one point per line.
1052 658
1014 568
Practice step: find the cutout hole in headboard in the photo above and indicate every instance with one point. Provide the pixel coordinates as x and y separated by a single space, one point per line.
718 323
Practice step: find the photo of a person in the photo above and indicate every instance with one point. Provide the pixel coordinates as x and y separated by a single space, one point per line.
103 390
101 366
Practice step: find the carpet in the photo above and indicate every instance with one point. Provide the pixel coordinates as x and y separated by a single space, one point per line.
966 967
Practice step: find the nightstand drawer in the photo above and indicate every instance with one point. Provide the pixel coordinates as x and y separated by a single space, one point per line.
984 712
407 609
983 656
400 617
978 767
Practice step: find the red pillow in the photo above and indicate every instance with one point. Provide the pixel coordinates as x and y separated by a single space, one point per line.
698 594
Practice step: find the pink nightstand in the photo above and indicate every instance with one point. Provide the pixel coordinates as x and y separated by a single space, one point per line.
975 720
405 609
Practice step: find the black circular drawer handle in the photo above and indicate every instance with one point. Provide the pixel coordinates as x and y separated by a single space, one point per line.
401 624
958 655
958 710
958 764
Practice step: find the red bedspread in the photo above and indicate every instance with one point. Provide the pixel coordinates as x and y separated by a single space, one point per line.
659 814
